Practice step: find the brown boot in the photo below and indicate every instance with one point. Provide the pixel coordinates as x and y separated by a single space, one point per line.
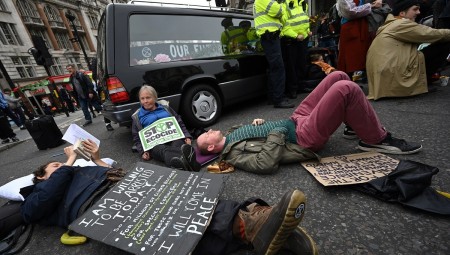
299 242
267 228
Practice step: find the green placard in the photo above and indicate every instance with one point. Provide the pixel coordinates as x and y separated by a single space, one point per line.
160 132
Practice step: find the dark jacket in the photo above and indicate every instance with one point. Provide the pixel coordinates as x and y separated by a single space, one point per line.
136 126
85 82
57 200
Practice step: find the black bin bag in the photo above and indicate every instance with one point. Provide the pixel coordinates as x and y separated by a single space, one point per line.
409 184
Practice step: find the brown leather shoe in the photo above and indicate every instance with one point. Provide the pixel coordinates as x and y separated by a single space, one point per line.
267 228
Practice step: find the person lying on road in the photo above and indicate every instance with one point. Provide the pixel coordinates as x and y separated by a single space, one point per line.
262 146
61 189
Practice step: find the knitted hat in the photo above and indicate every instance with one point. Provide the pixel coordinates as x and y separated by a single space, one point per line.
402 5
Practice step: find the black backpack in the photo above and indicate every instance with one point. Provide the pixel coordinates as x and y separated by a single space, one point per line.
14 241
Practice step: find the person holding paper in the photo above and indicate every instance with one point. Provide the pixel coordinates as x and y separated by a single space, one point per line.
177 154
60 190
261 147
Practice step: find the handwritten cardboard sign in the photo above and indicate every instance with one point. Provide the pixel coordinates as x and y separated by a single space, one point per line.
160 132
153 210
351 169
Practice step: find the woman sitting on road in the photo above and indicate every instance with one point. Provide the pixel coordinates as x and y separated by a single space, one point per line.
177 154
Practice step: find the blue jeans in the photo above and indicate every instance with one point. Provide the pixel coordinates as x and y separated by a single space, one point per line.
84 103
277 79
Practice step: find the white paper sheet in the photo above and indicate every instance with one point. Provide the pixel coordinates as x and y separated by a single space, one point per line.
75 132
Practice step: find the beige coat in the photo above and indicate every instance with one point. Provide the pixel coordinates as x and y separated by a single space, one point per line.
395 68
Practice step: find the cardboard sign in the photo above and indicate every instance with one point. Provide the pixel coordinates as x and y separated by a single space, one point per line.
351 169
160 132
153 210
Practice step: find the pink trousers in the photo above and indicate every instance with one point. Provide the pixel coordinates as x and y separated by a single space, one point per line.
334 101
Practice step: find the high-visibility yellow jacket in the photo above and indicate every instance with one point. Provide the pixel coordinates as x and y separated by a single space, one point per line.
231 37
295 20
267 15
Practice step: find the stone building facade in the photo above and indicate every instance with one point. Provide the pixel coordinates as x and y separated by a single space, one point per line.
22 19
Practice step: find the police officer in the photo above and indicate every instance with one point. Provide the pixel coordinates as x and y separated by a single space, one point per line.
294 45
231 36
267 15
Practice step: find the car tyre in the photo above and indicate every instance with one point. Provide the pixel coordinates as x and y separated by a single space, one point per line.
201 106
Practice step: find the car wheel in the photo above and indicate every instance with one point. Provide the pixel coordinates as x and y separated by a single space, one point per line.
201 106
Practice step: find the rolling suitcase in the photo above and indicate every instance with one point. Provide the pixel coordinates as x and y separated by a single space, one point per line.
44 131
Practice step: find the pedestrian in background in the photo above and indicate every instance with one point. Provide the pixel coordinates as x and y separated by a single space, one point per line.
267 15
4 107
15 106
324 32
441 14
84 91
294 45
6 133
355 38
67 99
46 108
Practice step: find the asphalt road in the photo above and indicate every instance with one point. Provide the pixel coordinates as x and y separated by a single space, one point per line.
340 219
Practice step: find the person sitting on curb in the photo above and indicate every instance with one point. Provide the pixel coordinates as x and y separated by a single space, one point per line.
262 146
395 66
57 197
177 154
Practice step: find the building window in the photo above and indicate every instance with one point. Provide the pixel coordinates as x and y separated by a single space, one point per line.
23 66
76 61
43 34
77 23
26 9
9 35
56 68
63 41
53 17
3 6
93 20
28 12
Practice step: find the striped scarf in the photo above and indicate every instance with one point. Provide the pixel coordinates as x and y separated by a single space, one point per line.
249 131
